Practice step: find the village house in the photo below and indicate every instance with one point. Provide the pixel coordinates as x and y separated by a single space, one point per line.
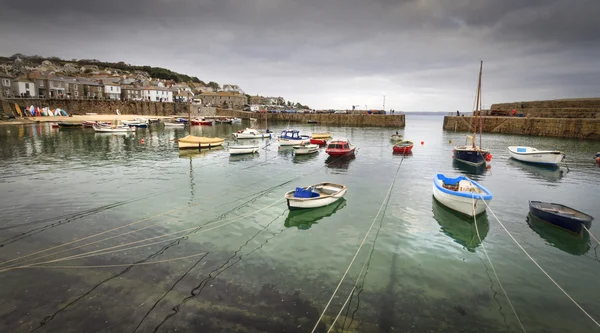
112 91
91 89
23 87
157 94
232 88
49 85
5 86
223 99
74 88
183 95
274 101
131 93
257 100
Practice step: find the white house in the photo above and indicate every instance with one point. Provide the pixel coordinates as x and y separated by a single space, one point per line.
23 87
234 88
157 94
112 91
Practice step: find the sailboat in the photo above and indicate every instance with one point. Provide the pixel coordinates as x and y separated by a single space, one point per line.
197 142
470 153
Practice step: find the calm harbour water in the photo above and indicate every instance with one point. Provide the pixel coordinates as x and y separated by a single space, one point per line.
244 263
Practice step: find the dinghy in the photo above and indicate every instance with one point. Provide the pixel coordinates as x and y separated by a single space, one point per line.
196 142
251 133
236 120
66 124
305 149
396 137
175 125
561 216
239 150
403 147
113 128
458 194
320 136
314 196
532 155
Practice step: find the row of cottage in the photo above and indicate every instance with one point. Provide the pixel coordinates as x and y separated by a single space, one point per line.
37 85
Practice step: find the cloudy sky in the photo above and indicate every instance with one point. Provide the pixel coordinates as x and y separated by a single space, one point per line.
423 55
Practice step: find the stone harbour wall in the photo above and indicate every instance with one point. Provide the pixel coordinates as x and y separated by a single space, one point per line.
557 127
560 108
375 120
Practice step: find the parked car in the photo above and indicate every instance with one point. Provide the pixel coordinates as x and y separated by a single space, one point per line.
340 112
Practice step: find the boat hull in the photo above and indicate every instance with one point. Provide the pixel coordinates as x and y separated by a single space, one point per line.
460 203
108 129
340 152
314 203
403 147
318 141
195 145
305 150
290 142
573 225
536 157
174 124
252 136
240 150
472 157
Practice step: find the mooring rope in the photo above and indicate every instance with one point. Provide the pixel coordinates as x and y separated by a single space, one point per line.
540 267
492 265
591 234
358 250
122 265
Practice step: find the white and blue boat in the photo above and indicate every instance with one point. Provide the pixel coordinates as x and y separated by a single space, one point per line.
458 194
532 155
292 138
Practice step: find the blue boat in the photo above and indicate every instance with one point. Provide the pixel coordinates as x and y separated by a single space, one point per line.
292 138
138 125
461 194
182 120
561 216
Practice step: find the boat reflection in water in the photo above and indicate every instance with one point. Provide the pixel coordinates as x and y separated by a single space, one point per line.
405 155
339 162
556 237
303 219
299 159
460 227
243 157
549 173
194 153
470 170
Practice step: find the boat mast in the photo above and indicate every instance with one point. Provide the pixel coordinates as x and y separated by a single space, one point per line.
477 104
480 109
189 115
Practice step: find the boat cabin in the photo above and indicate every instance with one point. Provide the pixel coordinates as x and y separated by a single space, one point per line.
339 145
291 135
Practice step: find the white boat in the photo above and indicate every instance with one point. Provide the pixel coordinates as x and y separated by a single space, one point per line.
305 149
292 138
314 196
113 129
169 124
252 119
238 150
532 155
236 120
396 137
251 133
458 194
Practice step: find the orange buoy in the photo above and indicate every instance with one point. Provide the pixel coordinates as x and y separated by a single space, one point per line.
488 157
142 141
422 142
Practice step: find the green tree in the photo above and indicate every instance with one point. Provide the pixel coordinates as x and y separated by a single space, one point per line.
214 85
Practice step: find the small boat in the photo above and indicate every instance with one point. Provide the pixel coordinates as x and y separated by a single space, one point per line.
561 216
305 149
238 150
181 120
320 142
340 148
252 119
223 120
458 194
396 137
311 121
197 142
170 124
113 128
66 124
532 155
314 196
236 120
292 138
88 124
403 147
201 122
320 136
153 120
251 133
135 123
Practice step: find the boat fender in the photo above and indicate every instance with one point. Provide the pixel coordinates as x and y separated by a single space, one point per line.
488 157
422 142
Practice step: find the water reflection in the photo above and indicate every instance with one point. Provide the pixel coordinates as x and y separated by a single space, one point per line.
300 159
405 155
549 173
303 219
243 157
193 153
470 170
560 239
339 162
460 228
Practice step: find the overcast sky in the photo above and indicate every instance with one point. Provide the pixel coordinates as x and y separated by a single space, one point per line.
423 55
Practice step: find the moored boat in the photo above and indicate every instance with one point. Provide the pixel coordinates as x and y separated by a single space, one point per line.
251 133
324 135
113 128
403 147
201 121
170 124
320 142
396 137
561 216
223 120
196 142
340 147
66 124
292 138
318 195
236 120
532 155
459 193
239 150
305 149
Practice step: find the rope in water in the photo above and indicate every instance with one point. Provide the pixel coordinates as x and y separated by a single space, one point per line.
120 248
357 251
540 267
493 268
591 234
122 265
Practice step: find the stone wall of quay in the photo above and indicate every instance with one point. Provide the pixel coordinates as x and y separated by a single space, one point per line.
81 107
375 120
560 108
557 127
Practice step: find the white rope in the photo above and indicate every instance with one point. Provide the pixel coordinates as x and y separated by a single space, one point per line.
494 269
540 267
357 250
591 234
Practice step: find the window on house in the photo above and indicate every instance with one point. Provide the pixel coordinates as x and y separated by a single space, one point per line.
110 88
76 93
41 83
26 85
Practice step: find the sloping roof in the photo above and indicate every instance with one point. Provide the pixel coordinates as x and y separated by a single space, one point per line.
6 76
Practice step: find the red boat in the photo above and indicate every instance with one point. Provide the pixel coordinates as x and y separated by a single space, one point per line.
319 142
201 122
340 148
403 147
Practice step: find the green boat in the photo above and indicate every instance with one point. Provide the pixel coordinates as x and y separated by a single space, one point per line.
460 227
303 219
